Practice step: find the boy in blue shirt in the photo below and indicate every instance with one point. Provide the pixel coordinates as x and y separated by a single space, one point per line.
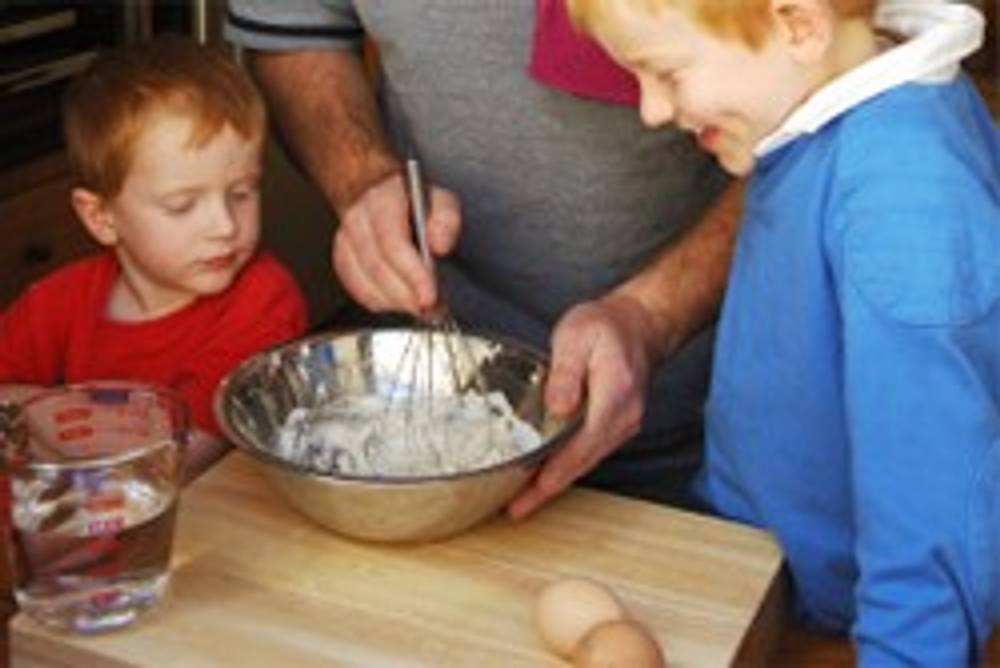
855 401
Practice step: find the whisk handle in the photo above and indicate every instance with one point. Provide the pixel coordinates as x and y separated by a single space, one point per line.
418 207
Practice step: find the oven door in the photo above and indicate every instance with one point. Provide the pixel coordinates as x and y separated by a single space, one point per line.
42 47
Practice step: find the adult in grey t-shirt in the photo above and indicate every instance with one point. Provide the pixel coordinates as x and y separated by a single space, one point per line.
569 210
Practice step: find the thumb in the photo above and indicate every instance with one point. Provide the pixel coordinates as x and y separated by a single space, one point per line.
444 222
567 374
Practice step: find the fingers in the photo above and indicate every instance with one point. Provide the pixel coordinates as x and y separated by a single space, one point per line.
362 286
567 371
530 499
374 255
558 472
444 223
611 420
597 355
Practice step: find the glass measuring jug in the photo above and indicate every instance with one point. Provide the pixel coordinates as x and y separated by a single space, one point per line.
94 471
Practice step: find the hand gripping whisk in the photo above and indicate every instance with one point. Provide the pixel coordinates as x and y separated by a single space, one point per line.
437 379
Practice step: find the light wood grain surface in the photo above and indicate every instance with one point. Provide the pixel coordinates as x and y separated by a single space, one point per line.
255 584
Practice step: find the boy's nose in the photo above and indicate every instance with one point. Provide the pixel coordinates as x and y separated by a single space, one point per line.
656 107
223 220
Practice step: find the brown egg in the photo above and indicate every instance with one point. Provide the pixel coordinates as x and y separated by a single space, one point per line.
565 610
618 644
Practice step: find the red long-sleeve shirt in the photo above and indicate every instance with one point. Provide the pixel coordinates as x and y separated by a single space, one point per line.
56 332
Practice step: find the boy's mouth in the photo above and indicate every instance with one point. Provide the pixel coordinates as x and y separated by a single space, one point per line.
707 137
220 262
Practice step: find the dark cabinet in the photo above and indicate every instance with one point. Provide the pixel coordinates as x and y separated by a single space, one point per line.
37 225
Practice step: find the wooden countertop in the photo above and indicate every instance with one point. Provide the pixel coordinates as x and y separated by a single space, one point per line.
256 584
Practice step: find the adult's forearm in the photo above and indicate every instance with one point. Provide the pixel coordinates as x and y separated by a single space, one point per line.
326 114
681 291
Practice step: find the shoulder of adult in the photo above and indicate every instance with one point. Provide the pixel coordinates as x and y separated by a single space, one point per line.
916 213
292 24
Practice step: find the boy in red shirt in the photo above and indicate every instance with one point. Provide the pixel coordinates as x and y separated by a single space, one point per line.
166 139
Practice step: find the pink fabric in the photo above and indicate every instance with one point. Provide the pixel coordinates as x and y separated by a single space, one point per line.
571 62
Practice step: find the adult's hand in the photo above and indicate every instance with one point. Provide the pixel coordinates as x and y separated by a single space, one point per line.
335 134
374 254
602 351
601 360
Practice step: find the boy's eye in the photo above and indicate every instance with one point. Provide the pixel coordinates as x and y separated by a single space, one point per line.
245 192
179 208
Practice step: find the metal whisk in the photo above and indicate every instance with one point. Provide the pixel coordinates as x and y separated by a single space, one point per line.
437 372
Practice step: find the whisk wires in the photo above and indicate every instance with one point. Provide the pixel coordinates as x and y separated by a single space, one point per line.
426 391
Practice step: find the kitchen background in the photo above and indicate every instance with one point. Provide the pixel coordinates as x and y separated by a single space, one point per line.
43 43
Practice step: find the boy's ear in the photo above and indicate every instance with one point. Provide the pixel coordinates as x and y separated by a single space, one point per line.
95 216
805 26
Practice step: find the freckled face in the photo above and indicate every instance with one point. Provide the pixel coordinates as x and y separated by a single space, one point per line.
187 217
729 96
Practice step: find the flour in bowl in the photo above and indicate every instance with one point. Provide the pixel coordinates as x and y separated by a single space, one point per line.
374 436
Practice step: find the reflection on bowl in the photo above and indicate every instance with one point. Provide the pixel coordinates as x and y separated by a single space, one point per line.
253 402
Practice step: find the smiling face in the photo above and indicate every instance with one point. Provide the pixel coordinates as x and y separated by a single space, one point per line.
186 219
729 95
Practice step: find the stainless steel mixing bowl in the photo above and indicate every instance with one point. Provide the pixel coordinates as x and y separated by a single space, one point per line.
252 403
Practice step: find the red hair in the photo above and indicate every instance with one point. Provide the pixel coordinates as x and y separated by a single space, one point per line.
746 21
106 107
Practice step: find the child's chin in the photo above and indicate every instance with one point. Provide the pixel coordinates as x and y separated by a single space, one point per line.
737 165
216 286
220 280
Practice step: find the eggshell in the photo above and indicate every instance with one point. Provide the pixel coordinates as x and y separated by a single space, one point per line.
618 644
566 609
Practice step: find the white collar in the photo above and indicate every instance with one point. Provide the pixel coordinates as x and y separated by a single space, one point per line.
939 34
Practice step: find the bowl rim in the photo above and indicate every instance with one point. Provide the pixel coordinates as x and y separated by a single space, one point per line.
570 425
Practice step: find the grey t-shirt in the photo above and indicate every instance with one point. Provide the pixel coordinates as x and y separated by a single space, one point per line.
563 198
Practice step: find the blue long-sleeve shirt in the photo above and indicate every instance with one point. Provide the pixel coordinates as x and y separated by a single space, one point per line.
855 401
